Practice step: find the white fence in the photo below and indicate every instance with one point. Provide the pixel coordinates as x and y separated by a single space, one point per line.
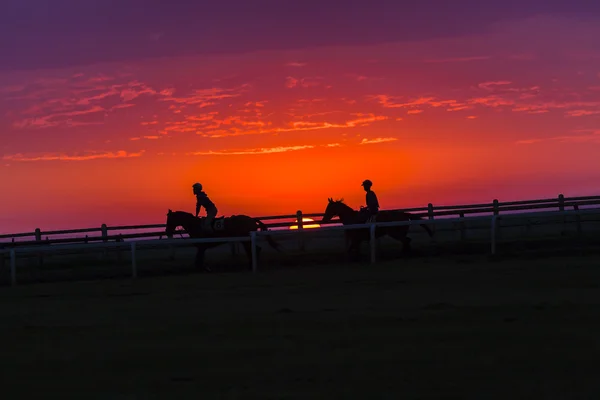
253 237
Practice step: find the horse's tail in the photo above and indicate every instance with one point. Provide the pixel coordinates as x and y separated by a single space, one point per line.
424 226
263 227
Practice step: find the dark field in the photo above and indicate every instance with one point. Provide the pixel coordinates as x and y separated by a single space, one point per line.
459 327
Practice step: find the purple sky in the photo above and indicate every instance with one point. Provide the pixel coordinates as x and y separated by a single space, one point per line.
45 34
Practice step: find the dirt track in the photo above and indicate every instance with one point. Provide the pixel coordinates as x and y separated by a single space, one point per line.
428 329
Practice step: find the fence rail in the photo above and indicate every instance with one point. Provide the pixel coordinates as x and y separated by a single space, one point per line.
106 233
253 237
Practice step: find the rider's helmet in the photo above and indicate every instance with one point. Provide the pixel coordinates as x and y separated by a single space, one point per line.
197 186
367 183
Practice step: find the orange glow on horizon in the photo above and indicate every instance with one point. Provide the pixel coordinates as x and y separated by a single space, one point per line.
309 226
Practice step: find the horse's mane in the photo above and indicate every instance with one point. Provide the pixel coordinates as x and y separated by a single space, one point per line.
179 212
340 202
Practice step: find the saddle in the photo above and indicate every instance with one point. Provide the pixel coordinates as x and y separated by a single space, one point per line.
218 223
365 216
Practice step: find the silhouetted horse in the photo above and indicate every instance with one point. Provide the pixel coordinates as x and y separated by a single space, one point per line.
234 226
354 237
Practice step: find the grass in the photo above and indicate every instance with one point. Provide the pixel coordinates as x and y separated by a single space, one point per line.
420 328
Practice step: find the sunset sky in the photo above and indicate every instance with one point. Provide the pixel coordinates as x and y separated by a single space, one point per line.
110 114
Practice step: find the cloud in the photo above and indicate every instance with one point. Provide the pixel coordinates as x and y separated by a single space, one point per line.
362 78
378 140
152 137
501 95
256 121
68 102
261 150
490 85
65 157
296 64
308 82
388 101
65 118
458 59
580 136
415 111
204 97
581 113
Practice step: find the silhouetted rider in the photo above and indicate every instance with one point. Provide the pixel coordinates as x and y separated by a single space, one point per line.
202 200
370 211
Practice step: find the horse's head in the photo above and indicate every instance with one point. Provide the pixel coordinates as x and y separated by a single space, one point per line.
171 224
335 208
175 219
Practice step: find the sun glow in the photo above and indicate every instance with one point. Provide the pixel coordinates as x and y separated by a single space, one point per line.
306 226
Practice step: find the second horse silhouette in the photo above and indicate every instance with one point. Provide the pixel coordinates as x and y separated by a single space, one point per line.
348 216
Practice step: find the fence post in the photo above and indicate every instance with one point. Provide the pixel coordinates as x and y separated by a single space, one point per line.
104 234
13 267
432 239
561 202
561 207
253 247
463 232
133 261
496 213
38 238
493 234
300 223
373 243
119 240
577 219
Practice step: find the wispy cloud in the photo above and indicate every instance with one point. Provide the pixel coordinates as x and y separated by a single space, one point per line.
74 157
71 101
378 140
581 113
296 64
457 59
501 95
388 101
578 136
257 118
151 137
261 150
490 85
204 97
313 81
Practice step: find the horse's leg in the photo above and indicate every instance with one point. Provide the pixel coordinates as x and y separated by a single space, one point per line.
400 235
354 249
248 250
200 259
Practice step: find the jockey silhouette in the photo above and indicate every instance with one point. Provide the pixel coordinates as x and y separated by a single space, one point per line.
370 211
202 200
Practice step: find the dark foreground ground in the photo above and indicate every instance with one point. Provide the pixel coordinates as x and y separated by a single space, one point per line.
423 328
